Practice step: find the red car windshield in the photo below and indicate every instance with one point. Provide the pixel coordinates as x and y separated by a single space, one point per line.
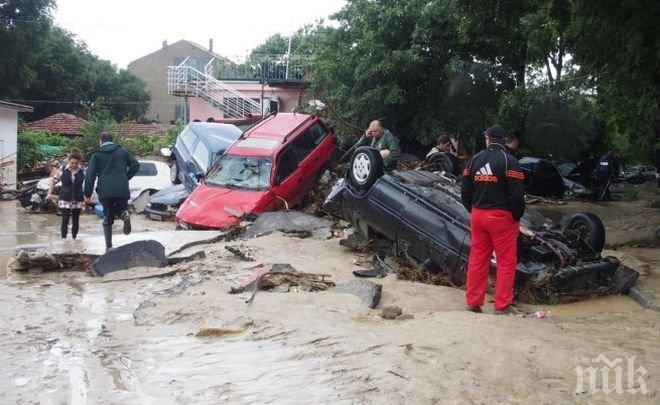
243 172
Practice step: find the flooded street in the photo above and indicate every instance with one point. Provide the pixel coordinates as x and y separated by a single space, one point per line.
71 338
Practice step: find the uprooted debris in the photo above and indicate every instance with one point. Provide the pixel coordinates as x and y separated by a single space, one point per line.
146 253
242 252
285 221
369 293
39 261
282 278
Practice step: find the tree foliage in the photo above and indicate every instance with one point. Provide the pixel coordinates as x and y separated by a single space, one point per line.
47 67
571 77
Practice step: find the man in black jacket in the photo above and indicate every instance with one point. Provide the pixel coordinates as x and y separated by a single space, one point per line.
114 166
493 190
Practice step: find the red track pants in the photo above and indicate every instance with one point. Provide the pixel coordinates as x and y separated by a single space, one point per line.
492 229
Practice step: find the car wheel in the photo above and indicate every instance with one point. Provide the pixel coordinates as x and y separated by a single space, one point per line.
365 168
587 231
174 173
440 162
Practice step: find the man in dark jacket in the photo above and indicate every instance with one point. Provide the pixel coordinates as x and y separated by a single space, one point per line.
493 191
382 139
604 172
114 166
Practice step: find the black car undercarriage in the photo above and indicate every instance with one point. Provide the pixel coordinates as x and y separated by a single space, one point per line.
421 214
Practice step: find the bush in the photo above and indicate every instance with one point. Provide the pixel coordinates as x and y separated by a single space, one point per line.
34 145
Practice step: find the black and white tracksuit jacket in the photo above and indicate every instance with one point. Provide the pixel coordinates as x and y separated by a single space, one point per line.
493 180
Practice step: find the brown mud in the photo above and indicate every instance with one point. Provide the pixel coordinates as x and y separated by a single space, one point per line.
71 338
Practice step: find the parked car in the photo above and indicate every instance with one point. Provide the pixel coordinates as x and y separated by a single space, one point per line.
421 213
207 141
151 177
640 173
542 177
274 165
197 148
162 206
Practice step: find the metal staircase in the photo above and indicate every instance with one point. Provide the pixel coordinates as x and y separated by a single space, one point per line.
185 80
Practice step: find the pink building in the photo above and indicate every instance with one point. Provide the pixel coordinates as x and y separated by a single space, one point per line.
230 91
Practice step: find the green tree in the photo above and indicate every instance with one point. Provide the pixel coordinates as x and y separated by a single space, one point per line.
617 46
22 27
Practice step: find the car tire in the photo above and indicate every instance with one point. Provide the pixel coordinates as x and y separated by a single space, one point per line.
174 173
365 168
439 162
590 230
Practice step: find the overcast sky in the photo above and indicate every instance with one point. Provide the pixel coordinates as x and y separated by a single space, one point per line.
124 30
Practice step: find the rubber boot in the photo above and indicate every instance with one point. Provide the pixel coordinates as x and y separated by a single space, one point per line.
107 232
126 217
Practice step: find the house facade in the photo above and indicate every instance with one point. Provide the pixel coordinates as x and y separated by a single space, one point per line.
190 82
152 68
9 142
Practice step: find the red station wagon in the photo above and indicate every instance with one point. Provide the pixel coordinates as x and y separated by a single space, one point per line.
273 165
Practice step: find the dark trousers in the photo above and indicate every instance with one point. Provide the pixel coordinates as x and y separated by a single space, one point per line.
74 215
604 182
113 208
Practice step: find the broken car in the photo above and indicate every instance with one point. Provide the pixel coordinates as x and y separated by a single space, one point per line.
421 213
273 165
196 149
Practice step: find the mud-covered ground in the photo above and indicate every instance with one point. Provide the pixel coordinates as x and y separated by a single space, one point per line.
71 338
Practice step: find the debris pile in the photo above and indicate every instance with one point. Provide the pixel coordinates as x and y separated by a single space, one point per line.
40 261
282 278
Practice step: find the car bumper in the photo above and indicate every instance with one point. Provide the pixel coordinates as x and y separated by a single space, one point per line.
159 215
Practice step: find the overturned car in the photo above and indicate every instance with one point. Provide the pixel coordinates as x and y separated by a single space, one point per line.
421 213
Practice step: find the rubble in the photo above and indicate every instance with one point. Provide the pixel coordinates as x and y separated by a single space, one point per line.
284 221
281 278
40 261
242 252
391 312
368 292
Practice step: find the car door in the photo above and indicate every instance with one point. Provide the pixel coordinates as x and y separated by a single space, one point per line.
288 180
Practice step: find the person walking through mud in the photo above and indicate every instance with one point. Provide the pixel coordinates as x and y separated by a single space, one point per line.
114 166
382 139
71 199
493 191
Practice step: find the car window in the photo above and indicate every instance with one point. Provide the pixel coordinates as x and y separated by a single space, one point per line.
317 133
147 169
201 156
287 163
187 138
241 172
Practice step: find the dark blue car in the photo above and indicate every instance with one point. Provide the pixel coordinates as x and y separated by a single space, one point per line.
197 148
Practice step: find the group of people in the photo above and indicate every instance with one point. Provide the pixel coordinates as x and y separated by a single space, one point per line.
493 191
110 167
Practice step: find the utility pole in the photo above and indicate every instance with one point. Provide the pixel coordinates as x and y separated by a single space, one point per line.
288 58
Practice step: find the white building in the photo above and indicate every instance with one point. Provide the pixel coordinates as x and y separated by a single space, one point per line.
8 142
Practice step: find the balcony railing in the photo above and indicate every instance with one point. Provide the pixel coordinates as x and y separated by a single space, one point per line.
270 68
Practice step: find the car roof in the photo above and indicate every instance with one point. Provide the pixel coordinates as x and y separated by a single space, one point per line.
266 137
217 136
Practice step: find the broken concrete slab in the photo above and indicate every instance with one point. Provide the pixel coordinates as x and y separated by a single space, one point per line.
368 292
285 221
146 253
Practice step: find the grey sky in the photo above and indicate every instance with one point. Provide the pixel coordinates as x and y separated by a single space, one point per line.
124 30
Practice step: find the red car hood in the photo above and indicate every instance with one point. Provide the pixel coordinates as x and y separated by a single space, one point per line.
214 207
